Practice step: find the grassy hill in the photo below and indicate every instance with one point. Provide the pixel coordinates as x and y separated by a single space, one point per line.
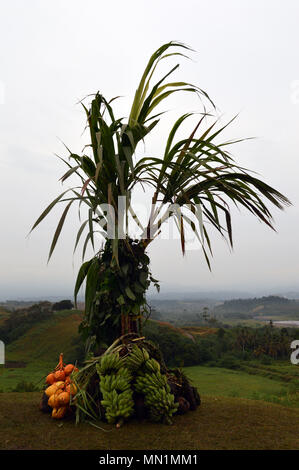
44 340
36 352
187 331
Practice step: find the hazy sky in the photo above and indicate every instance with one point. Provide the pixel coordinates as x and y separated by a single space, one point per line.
54 53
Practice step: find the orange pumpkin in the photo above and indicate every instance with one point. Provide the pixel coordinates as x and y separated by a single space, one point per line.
51 401
59 413
51 390
67 380
69 369
50 379
59 384
71 388
63 399
56 396
59 375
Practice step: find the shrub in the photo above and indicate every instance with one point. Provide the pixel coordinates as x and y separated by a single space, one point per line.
63 305
229 362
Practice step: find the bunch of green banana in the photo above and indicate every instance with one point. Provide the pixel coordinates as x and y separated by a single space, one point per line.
136 358
118 405
109 362
150 380
158 399
152 366
115 386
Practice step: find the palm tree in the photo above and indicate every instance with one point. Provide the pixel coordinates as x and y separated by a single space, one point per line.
193 182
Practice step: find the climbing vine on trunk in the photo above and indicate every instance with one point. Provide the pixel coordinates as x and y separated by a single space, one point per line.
115 300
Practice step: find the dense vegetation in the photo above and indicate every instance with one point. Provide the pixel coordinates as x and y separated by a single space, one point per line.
226 348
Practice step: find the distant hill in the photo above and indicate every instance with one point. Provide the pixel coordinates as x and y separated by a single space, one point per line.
45 339
257 307
196 295
189 311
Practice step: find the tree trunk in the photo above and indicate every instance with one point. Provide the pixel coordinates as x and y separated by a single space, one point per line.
130 324
123 280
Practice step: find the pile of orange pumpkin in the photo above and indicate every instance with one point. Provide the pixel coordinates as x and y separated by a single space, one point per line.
61 389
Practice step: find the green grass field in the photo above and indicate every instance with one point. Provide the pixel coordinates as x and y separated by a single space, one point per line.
219 423
214 381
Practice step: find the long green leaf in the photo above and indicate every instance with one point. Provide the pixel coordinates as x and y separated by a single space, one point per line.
58 229
80 278
48 209
92 281
80 233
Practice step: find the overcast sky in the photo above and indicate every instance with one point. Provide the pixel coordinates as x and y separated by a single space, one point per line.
54 53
